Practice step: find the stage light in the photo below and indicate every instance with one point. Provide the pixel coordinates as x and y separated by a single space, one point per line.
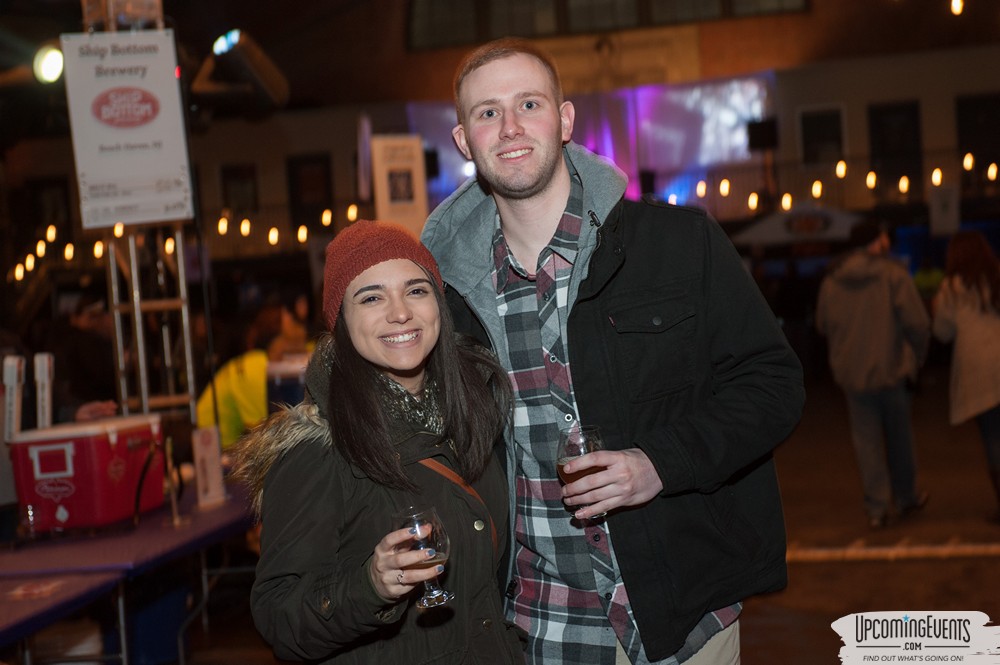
239 75
48 64
226 42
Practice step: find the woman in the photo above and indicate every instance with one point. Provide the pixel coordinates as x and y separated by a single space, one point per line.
967 311
390 391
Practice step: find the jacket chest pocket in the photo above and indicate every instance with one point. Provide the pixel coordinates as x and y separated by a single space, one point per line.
654 343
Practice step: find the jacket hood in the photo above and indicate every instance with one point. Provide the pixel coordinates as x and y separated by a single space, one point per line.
462 225
858 269
257 450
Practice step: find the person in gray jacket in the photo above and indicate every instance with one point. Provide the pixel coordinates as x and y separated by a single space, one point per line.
878 332
637 317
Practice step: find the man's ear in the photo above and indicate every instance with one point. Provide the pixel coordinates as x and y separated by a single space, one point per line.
458 133
567 114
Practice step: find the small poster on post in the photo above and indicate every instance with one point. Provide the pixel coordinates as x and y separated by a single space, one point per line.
208 467
400 180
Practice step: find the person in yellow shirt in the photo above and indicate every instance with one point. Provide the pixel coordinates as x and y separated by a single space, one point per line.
241 383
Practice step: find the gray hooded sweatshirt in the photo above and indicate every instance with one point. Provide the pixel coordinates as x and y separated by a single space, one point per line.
875 322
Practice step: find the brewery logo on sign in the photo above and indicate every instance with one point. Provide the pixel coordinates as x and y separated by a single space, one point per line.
918 637
126 107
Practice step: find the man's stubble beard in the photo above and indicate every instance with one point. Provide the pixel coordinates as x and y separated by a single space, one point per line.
509 188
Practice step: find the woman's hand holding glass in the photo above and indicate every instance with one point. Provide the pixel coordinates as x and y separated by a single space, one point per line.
395 568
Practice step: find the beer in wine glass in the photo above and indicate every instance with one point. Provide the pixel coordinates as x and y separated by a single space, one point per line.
430 534
574 442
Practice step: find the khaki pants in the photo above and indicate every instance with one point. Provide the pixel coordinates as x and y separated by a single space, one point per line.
722 649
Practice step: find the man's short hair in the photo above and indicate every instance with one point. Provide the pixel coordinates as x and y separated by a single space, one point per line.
502 48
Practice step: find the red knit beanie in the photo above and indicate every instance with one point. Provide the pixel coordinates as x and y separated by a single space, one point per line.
360 246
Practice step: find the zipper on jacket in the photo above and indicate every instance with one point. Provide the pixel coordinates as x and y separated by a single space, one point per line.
596 223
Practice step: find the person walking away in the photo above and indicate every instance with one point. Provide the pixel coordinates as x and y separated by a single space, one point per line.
967 315
620 314
878 331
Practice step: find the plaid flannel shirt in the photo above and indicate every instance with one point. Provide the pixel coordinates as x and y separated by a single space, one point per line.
570 596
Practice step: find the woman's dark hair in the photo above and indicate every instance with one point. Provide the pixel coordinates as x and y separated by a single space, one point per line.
475 397
972 259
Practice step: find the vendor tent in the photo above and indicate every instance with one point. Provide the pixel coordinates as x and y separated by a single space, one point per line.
798 225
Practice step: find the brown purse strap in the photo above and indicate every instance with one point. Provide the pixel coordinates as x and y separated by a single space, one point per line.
440 468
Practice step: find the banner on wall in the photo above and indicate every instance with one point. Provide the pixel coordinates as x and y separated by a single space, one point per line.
943 206
127 122
400 180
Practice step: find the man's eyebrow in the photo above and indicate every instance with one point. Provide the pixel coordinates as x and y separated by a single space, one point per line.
519 96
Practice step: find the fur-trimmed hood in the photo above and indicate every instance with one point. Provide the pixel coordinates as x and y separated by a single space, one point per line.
257 450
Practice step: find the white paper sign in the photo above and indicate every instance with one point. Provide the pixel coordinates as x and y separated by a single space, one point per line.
127 122
943 205
208 466
400 180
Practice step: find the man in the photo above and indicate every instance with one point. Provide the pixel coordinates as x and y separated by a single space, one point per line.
638 318
878 333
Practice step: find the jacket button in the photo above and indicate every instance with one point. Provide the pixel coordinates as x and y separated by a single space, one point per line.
324 604
487 623
479 525
657 321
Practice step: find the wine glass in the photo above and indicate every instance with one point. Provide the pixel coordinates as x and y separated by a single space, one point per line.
574 442
430 534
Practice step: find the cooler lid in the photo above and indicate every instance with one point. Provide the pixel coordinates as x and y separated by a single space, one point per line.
92 428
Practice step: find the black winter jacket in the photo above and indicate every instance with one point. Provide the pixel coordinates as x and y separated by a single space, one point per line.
313 599
673 350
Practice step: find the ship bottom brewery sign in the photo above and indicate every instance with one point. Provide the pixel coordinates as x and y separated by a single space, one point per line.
127 120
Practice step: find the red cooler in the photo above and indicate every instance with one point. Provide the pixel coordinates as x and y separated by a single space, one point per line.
83 475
